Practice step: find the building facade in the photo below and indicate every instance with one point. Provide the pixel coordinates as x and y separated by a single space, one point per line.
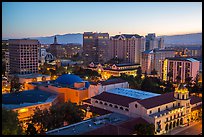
56 49
95 47
23 56
127 47
179 68
168 111
152 42
152 59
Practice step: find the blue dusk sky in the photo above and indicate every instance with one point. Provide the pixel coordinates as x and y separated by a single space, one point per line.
33 19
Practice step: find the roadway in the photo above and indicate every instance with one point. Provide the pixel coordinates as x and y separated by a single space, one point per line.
193 130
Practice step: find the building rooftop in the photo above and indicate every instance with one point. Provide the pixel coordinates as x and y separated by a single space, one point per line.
133 93
115 98
195 99
28 76
27 98
89 125
157 100
96 110
109 82
126 64
182 59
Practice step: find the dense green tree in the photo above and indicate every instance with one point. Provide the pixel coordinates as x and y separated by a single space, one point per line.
15 85
145 129
3 67
139 73
57 116
10 123
31 130
170 76
178 79
154 72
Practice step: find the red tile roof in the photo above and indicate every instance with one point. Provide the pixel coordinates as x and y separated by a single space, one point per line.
157 100
196 107
114 98
195 99
109 82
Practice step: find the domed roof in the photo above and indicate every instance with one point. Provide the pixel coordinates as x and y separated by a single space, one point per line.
70 79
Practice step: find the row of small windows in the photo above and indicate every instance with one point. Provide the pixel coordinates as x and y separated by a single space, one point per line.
158 108
111 105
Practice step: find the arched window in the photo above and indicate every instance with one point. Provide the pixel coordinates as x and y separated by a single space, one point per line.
158 109
101 102
96 101
182 96
121 108
110 105
116 106
105 104
126 109
178 96
135 105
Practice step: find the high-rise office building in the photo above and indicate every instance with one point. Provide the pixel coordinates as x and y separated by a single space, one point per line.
23 56
95 47
127 47
152 42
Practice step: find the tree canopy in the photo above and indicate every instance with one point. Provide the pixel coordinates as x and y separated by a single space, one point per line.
57 116
144 129
10 123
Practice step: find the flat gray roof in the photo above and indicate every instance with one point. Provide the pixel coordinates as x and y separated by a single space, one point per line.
133 93
88 125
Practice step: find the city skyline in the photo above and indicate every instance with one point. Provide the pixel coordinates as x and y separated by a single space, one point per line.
34 19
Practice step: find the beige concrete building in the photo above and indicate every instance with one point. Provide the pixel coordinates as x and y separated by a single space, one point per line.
96 88
127 47
152 59
165 111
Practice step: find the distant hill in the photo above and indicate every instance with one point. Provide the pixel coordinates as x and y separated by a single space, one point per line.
185 39
62 39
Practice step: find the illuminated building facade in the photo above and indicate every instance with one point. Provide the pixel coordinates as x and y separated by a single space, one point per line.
72 87
127 47
24 103
23 56
114 70
179 68
168 111
95 47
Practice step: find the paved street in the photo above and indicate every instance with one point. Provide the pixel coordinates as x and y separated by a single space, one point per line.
193 130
